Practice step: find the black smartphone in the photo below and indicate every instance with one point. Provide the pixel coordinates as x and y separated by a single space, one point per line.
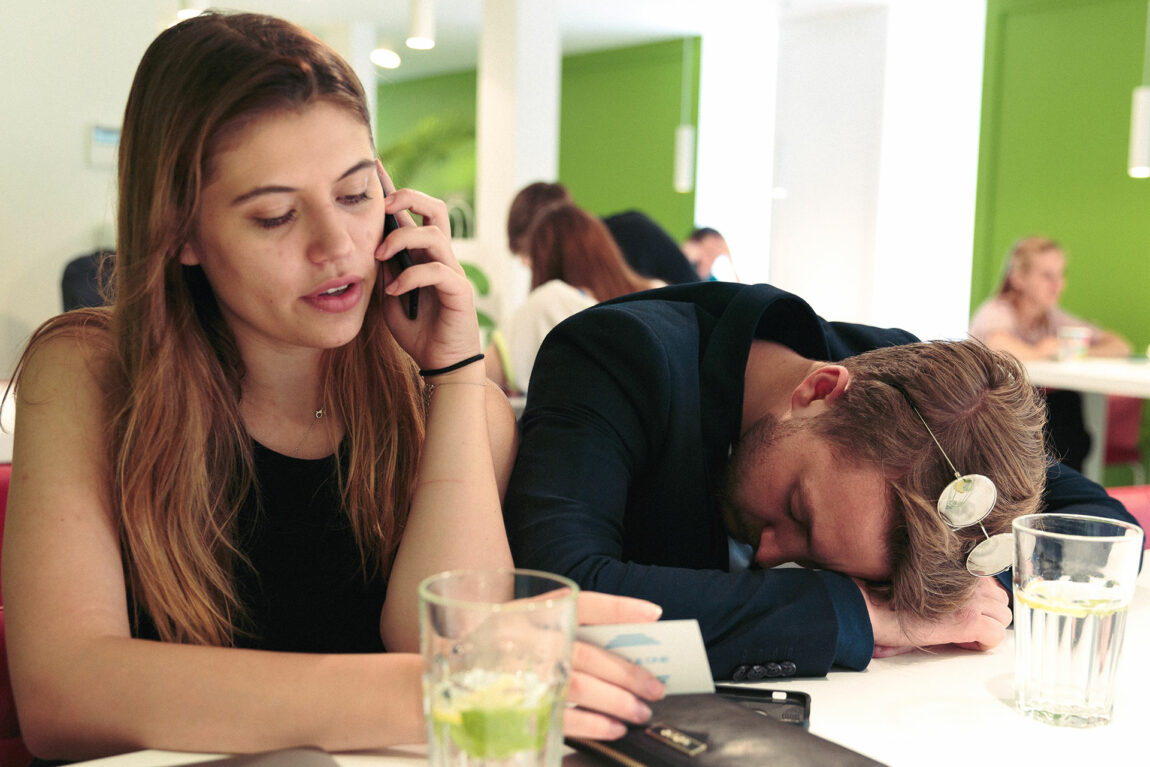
788 706
403 260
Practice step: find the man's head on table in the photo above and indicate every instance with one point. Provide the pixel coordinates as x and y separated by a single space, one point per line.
835 470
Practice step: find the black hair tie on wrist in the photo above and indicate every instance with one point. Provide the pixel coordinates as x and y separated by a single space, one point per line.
451 368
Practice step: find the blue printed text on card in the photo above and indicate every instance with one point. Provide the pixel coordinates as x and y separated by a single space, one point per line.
671 650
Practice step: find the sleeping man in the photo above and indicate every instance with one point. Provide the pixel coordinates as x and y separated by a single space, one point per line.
691 445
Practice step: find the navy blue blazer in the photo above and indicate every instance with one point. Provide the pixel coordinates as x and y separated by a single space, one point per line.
631 411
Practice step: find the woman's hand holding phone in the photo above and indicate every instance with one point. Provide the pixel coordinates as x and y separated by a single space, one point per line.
442 328
402 260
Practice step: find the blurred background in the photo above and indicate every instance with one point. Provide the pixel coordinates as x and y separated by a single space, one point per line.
876 157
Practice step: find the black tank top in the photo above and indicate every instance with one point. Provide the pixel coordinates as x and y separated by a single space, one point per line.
306 590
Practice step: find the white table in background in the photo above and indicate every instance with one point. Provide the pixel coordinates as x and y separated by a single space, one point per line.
1094 377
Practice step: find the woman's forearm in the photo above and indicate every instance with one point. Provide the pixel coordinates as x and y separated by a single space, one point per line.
456 518
110 694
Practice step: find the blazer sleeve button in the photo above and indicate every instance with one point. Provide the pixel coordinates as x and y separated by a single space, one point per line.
756 673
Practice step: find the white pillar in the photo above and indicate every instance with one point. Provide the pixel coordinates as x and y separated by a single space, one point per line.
736 133
517 126
828 128
355 42
924 228
876 161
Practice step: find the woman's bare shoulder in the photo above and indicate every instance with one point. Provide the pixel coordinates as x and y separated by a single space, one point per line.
70 351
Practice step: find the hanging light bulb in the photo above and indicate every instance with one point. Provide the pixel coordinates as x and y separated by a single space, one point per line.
684 161
1138 164
385 58
1139 160
190 9
421 25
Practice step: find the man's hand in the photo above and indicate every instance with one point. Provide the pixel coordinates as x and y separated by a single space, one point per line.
979 625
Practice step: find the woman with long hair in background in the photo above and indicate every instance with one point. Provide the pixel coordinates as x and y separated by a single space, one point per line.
575 263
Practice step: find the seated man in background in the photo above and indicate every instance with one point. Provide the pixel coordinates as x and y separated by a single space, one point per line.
718 430
708 252
649 249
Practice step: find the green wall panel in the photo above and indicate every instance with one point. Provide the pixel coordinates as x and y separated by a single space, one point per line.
618 114
1055 130
426 136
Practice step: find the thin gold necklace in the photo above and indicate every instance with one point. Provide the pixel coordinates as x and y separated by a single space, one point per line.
318 415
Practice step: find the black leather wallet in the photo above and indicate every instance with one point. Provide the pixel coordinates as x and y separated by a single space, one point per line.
710 731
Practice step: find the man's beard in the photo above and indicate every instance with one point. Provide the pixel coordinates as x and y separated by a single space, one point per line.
748 456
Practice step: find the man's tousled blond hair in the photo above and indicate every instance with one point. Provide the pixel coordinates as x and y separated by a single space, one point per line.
988 419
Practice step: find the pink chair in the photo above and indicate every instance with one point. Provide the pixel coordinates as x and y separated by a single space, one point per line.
1136 499
1123 435
12 750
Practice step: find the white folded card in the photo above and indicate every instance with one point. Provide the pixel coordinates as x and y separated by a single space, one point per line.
671 650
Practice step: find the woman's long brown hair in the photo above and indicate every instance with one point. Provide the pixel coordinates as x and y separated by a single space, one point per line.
567 243
181 460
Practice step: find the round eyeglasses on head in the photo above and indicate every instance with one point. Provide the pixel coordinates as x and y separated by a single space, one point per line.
966 501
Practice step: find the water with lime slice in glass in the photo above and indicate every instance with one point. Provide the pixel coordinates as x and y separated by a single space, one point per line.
1068 639
494 719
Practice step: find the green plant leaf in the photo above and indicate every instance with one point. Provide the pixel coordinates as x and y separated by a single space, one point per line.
477 277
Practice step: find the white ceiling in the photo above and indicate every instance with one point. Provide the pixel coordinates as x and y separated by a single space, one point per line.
585 25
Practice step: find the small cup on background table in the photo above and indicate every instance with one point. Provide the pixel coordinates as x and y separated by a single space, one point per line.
1074 578
1073 342
496 650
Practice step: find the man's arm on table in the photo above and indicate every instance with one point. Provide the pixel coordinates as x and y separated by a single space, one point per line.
600 415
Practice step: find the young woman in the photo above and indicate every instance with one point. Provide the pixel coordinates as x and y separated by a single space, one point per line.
1024 319
227 486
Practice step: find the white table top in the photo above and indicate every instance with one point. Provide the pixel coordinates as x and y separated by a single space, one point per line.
950 707
956 707
1129 377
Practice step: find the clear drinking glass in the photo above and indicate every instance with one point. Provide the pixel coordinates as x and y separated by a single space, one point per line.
496 661
1074 577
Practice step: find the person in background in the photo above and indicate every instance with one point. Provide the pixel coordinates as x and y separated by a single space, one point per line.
680 444
645 245
527 203
227 485
575 263
707 251
649 249
1024 319
87 279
